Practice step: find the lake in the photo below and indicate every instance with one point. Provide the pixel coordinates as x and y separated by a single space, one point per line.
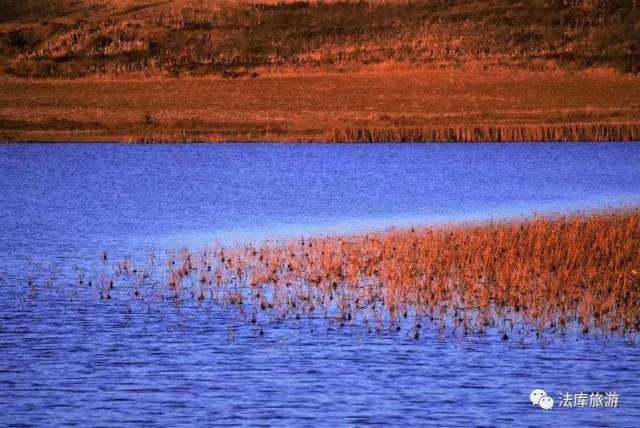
69 358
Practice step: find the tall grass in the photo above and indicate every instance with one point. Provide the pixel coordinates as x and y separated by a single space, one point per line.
554 274
495 133
596 132
561 275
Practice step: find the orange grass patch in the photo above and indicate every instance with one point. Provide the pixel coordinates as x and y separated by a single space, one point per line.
566 274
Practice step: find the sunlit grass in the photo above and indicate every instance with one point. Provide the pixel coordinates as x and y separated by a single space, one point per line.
562 275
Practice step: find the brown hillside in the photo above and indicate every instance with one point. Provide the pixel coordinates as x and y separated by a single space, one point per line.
74 38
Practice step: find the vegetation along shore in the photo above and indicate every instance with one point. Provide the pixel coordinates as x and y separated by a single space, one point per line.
336 71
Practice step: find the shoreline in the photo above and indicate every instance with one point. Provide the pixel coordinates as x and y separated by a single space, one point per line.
373 105
567 133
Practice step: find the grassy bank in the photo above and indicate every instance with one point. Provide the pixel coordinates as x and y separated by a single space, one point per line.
320 70
379 103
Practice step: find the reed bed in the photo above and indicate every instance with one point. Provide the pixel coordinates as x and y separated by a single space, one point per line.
562 275
596 132
496 133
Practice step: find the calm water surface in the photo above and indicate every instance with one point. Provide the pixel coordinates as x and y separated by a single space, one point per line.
72 359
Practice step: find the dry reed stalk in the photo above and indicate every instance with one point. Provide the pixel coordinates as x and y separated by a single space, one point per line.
492 133
573 273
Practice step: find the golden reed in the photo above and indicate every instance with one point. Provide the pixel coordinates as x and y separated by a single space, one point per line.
493 133
552 273
441 134
544 275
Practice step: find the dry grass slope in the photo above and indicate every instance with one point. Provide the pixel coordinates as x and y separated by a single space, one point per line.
73 38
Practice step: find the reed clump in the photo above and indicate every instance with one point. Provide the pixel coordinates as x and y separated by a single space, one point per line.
573 274
552 274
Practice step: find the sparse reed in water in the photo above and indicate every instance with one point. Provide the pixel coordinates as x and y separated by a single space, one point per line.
543 275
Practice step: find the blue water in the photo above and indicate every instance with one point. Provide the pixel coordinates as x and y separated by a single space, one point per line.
77 360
